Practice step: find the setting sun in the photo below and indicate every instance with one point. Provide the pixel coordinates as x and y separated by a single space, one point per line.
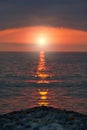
42 40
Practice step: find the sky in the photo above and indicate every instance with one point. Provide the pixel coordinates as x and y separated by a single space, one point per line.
62 23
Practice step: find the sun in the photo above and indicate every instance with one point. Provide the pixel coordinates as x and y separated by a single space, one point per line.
41 41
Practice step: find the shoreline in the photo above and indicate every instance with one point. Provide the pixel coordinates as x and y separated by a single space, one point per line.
36 108
43 118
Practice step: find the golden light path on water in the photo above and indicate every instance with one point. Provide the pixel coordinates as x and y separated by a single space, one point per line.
43 97
42 71
45 77
42 76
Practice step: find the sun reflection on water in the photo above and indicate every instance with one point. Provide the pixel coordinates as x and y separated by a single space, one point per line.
42 72
43 97
43 76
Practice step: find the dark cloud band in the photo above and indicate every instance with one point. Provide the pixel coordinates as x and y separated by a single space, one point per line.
58 13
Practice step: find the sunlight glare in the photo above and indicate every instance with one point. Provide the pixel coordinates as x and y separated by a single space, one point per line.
41 40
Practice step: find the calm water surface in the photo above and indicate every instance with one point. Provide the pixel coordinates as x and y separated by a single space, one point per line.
50 79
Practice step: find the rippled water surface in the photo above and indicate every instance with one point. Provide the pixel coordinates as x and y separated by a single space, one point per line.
49 79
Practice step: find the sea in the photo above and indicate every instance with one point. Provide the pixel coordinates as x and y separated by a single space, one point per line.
31 79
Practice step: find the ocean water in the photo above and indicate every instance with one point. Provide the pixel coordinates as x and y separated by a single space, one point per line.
43 78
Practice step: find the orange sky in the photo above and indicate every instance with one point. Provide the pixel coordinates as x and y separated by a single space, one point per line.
68 39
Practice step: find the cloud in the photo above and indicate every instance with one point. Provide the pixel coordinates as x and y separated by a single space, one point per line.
57 13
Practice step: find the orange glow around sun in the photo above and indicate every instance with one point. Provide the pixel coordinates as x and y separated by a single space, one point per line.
42 37
42 34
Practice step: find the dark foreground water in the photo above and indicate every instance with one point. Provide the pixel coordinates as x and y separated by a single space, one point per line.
50 79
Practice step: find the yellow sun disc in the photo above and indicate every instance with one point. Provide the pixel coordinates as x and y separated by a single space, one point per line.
41 40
